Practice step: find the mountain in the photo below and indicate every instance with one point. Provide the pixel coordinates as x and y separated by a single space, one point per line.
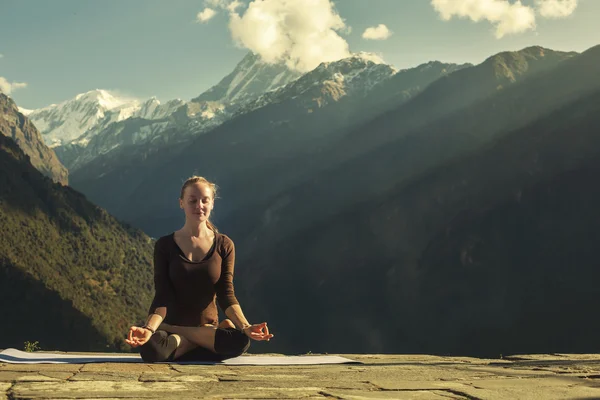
440 225
153 125
455 232
81 118
450 94
494 252
291 122
62 123
18 127
329 82
404 143
71 276
174 123
404 85
250 78
151 110
286 145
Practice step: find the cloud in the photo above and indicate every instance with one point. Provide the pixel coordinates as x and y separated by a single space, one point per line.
234 5
301 33
556 8
7 87
507 17
376 58
379 32
205 14
1 55
210 7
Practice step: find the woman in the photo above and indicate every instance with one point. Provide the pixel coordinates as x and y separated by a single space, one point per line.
193 267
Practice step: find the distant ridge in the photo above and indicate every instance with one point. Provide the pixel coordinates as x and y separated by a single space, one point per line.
71 276
18 127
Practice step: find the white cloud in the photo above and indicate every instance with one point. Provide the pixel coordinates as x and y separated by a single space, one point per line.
1 55
206 14
556 8
376 58
301 33
231 7
8 87
379 32
507 17
210 7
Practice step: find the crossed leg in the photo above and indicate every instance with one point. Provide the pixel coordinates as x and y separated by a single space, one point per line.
171 342
189 337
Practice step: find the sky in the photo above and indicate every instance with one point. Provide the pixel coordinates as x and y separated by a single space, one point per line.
50 51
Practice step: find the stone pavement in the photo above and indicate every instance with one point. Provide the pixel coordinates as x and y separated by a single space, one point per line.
556 376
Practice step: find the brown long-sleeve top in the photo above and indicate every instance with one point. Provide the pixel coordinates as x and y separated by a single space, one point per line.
186 290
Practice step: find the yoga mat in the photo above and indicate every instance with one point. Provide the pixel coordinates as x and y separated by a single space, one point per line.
15 356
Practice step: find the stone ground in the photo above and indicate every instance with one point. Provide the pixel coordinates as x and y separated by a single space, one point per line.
556 376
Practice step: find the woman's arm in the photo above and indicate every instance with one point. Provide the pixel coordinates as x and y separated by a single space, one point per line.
153 322
229 303
224 286
164 293
235 314
137 336
253 331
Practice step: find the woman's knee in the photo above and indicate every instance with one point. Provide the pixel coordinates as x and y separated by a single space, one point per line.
231 342
160 347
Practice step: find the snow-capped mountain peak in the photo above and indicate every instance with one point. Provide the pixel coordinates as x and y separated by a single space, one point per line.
369 57
24 111
329 81
250 78
103 98
352 65
90 112
64 122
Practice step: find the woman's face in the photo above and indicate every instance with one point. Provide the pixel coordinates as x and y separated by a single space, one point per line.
197 202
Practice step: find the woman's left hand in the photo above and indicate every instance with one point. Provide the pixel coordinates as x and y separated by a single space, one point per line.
138 336
258 332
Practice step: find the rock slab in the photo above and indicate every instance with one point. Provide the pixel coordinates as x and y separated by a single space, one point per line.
557 376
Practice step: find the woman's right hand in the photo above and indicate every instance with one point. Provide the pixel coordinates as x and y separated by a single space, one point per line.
138 336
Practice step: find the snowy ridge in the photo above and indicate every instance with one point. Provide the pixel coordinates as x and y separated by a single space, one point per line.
330 81
152 109
24 111
250 78
113 137
89 113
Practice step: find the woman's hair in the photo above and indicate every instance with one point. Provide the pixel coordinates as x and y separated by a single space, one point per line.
199 179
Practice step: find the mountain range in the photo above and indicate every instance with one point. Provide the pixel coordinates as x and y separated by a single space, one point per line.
447 238
79 119
292 139
292 121
98 122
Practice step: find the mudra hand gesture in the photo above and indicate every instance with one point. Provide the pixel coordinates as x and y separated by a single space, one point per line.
138 336
258 332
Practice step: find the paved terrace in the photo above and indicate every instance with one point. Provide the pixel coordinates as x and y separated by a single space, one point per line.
556 376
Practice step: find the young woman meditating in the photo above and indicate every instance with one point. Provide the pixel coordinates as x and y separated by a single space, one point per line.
193 267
